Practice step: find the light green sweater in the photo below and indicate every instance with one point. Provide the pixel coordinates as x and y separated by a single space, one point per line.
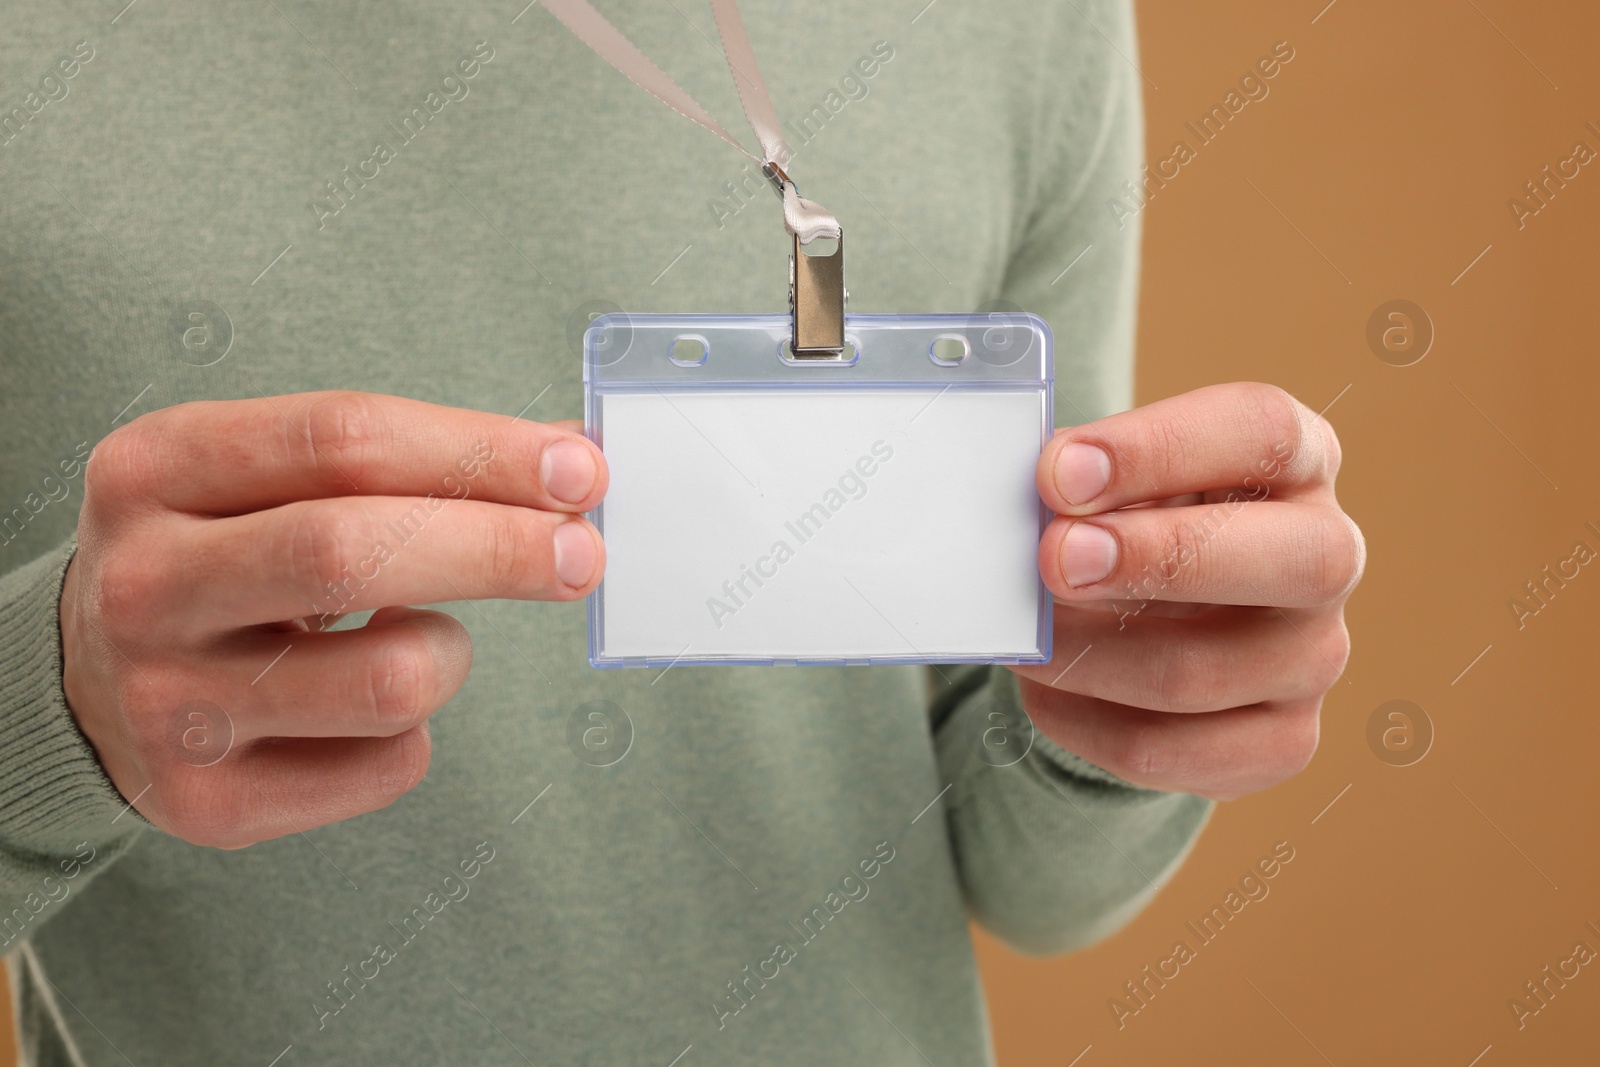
781 867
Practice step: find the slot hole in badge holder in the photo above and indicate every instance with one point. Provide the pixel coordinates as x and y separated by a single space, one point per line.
853 343
689 350
949 350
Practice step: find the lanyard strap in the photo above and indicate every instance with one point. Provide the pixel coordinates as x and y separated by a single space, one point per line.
805 219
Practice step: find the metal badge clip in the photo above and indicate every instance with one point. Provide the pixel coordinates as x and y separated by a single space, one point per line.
816 300
816 288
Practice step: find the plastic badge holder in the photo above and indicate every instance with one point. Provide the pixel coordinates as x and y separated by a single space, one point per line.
879 509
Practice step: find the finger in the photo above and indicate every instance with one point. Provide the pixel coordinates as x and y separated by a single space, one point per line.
355 553
1288 555
376 680
279 787
1228 658
1248 436
1220 754
232 457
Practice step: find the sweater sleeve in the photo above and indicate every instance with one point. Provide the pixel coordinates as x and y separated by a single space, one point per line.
1055 852
61 819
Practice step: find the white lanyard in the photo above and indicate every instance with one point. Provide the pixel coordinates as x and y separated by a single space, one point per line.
816 283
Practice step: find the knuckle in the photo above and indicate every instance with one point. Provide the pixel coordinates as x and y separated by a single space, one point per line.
401 768
1278 418
1333 450
398 683
508 549
1188 677
1298 743
126 585
1333 652
1169 443
1178 552
342 430
199 808
1279 411
123 466
322 542
1358 549
1339 653
1342 556
1145 754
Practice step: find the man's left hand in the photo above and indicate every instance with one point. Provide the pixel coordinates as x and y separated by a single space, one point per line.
1200 565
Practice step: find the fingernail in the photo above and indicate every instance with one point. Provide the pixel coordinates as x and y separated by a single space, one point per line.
575 554
1088 554
1082 473
567 470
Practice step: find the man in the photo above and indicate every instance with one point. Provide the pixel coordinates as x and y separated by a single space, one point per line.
302 277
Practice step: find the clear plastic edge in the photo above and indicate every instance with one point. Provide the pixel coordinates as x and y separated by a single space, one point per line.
594 603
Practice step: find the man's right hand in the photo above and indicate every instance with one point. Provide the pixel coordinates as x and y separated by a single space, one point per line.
219 540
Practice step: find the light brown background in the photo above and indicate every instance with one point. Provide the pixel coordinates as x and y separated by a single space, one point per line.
1407 920
1420 902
